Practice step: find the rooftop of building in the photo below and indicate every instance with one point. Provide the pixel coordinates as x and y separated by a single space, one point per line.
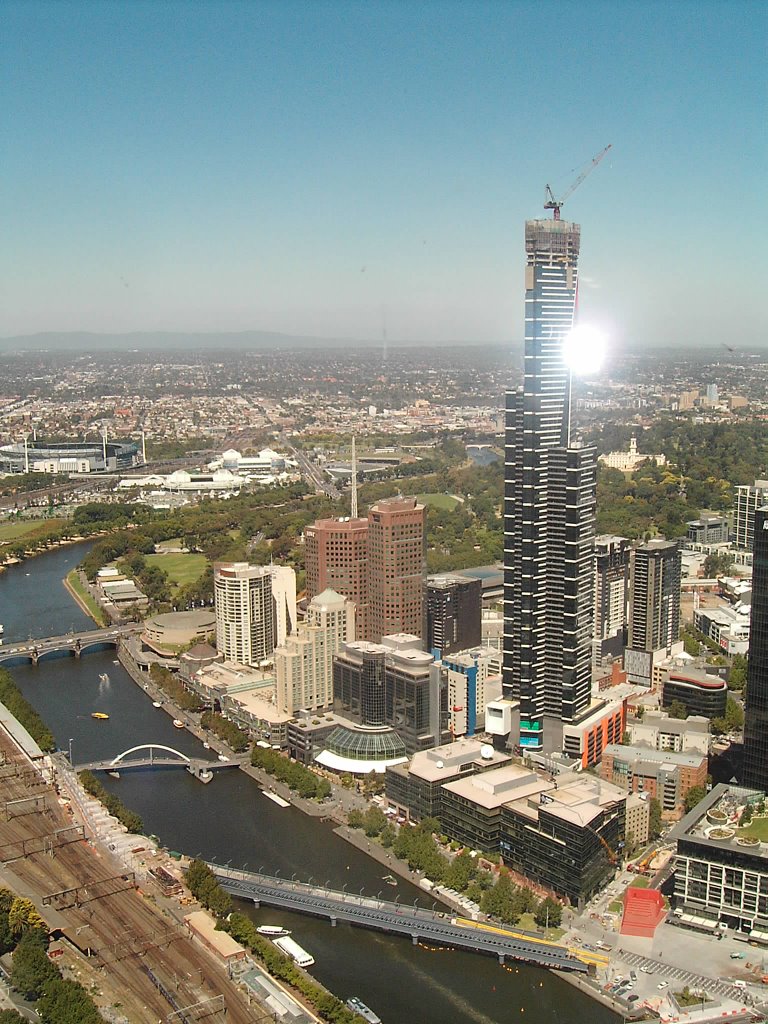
226 676
445 580
578 799
665 723
328 598
697 677
345 523
202 618
669 758
506 784
443 762
714 821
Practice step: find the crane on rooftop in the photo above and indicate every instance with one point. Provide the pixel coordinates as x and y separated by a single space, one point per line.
550 203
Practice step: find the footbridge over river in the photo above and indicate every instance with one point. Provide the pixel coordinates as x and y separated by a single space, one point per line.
70 643
157 755
416 923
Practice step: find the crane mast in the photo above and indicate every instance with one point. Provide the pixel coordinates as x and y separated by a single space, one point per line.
550 203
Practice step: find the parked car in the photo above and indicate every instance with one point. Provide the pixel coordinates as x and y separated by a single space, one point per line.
662 985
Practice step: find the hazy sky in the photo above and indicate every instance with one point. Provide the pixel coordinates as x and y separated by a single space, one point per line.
337 168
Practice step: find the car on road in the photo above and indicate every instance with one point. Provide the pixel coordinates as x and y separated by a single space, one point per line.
737 956
633 998
662 985
646 969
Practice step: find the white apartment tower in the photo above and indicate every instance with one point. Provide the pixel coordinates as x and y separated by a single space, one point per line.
304 663
245 612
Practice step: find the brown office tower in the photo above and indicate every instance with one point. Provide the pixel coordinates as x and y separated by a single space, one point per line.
396 568
336 555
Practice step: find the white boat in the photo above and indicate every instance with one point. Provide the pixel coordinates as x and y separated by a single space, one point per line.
103 677
275 798
294 951
178 724
156 704
272 931
358 1006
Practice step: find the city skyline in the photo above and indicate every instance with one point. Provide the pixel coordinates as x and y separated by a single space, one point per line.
360 172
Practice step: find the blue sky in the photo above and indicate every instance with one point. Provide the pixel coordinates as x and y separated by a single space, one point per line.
343 168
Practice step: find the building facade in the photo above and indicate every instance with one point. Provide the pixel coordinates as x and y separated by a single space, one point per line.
611 595
245 612
756 706
454 608
336 555
662 775
747 500
304 663
549 504
700 692
654 585
721 878
396 567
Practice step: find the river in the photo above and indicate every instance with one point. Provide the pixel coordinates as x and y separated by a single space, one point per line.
230 820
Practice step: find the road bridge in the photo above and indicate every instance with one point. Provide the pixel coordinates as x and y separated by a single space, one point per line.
73 644
418 924
157 755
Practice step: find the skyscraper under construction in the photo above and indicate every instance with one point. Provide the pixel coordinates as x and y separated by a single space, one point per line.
549 507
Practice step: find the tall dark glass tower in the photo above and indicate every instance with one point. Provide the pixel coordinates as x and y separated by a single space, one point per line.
756 709
549 506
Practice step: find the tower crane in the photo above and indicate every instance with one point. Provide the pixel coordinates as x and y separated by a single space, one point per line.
550 203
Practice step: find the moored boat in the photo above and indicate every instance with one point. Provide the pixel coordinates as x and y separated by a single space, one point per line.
272 931
156 704
358 1006
178 724
294 951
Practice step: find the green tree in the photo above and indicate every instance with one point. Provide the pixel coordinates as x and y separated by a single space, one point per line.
387 836
548 913
22 916
694 796
734 715
654 819
11 1017
67 1002
31 968
677 710
738 674
460 872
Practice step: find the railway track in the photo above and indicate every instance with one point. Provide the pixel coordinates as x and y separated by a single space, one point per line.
141 958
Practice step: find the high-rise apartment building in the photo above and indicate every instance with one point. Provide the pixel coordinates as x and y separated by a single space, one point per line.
747 500
396 567
756 709
336 555
304 664
454 608
611 594
654 587
549 506
245 612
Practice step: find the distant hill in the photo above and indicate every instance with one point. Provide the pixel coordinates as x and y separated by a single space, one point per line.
153 341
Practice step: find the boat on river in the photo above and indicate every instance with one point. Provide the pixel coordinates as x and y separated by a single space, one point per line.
100 716
103 677
358 1006
294 951
156 704
177 724
389 879
272 931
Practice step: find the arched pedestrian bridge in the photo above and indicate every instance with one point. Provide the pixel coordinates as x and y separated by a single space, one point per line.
73 644
158 755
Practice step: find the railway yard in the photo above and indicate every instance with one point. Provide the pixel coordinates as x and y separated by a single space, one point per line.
126 944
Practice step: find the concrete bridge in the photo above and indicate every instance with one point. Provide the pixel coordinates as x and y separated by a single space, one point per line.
157 755
400 919
70 643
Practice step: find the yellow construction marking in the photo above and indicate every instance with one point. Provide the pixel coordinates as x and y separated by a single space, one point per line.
586 955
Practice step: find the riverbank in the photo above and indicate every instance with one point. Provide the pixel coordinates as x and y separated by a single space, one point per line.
83 599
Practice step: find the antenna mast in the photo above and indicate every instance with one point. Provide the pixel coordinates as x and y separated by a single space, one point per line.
354 479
